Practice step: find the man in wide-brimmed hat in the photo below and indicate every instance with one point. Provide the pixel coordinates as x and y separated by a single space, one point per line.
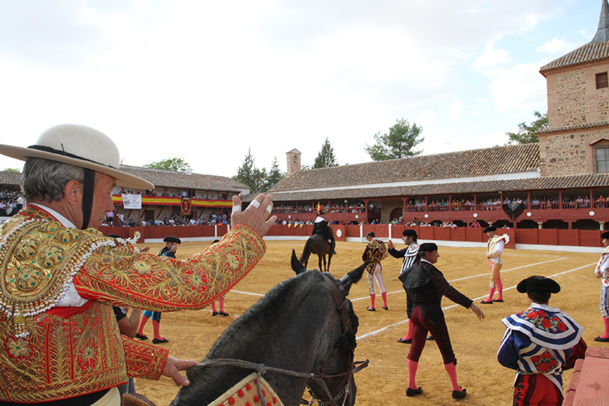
539 343
59 276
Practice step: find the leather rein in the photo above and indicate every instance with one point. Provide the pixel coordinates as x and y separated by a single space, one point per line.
326 398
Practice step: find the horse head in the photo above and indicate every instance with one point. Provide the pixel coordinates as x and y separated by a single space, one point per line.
300 334
334 383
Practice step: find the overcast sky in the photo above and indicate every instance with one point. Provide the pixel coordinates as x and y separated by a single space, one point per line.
208 80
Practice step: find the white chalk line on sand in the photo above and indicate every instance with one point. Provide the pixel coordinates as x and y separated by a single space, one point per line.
375 332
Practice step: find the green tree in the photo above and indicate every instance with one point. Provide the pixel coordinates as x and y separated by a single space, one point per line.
274 175
251 176
325 158
399 143
15 170
527 132
170 164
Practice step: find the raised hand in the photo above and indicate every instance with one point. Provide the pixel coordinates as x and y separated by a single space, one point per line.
257 216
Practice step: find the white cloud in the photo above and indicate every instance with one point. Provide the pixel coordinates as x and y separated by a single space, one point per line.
455 109
207 80
521 88
491 57
555 45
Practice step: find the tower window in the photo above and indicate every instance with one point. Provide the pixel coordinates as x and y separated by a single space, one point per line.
602 160
601 80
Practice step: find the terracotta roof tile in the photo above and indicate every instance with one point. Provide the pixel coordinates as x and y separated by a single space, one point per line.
511 159
573 127
162 178
173 179
593 51
10 178
495 186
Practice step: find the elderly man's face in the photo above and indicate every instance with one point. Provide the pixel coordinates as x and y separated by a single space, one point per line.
102 199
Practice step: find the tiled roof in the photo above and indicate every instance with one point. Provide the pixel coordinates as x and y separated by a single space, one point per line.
509 159
593 51
162 178
573 127
10 178
494 186
173 179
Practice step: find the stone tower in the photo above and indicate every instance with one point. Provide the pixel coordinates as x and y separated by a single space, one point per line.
577 140
293 158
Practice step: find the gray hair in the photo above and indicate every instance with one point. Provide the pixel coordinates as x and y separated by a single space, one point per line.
44 180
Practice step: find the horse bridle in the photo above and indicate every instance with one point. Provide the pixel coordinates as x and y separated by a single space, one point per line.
326 398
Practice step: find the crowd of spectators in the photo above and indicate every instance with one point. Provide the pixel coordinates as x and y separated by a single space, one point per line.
456 204
335 208
121 221
10 202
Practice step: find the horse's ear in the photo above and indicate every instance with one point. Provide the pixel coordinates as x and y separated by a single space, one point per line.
354 276
296 264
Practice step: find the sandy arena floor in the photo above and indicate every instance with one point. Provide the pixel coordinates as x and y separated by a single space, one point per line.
191 333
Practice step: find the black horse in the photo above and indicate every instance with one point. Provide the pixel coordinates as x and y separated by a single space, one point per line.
317 244
301 334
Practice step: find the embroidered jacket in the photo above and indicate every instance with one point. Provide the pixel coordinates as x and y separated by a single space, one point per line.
50 352
541 340
602 268
375 252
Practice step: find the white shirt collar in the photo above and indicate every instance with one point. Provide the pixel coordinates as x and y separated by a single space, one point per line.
64 221
545 307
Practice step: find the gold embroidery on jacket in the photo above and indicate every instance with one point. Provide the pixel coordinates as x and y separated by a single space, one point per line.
45 356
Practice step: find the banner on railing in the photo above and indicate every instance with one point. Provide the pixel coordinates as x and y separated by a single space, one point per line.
185 206
132 201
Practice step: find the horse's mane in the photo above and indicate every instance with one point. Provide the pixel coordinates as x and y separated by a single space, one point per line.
278 317
264 313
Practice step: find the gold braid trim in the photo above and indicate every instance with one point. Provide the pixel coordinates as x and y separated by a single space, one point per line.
38 259
123 276
144 360
57 353
376 251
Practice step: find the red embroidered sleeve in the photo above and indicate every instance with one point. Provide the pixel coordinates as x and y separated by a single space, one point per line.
125 277
143 360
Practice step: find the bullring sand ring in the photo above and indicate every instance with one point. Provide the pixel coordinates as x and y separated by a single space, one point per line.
192 333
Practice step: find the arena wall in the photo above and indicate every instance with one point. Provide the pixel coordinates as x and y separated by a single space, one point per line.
568 240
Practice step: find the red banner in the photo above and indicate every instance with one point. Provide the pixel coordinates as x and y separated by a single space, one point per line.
185 206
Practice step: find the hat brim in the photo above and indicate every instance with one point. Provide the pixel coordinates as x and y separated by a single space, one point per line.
122 178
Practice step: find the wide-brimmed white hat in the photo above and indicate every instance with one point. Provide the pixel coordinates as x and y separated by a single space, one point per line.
80 146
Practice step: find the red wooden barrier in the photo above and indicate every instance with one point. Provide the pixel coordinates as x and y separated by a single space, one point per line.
587 238
568 237
474 235
441 233
527 236
457 234
548 237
